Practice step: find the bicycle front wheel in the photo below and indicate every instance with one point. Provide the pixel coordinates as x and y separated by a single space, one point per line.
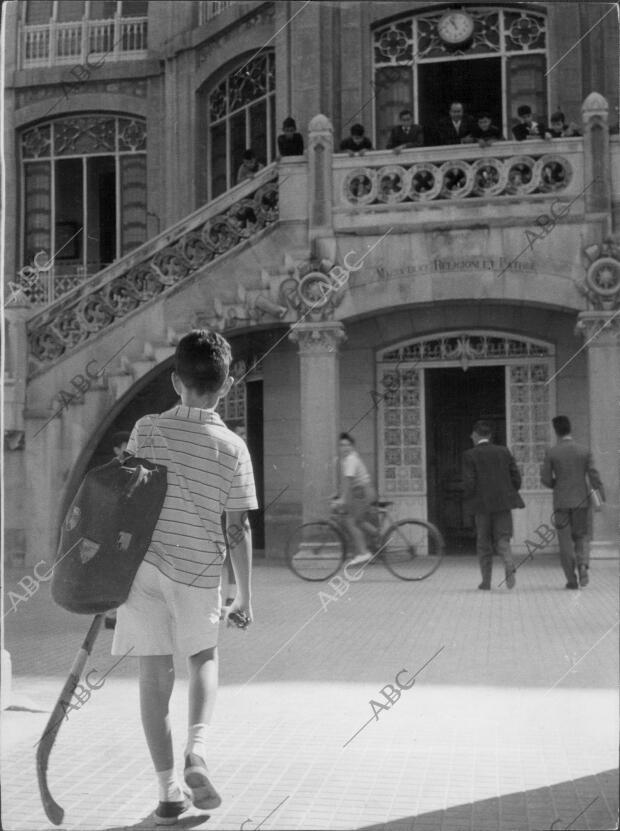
315 550
412 549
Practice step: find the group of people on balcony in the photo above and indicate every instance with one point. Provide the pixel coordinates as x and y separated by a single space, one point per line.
459 128
456 128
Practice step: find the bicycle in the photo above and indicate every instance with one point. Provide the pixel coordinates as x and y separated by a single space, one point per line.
411 549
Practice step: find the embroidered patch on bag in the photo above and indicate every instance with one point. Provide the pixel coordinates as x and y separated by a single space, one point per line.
123 541
73 519
88 549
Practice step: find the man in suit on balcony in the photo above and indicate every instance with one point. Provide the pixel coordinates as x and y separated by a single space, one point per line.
568 469
406 134
491 482
457 127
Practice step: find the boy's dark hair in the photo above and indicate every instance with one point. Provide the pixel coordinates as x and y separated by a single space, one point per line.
289 122
524 109
561 425
346 437
405 112
249 154
202 360
357 130
483 429
558 116
484 115
119 438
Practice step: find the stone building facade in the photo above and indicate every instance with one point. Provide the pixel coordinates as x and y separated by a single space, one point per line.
397 297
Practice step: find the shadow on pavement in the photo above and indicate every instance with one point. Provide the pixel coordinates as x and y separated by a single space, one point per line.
588 803
148 824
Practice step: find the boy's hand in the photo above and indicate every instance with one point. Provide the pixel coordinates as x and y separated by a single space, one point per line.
241 612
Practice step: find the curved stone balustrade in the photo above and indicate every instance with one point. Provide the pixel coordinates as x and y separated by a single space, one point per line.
93 306
456 179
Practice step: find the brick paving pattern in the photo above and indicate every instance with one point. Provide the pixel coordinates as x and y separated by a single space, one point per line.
513 726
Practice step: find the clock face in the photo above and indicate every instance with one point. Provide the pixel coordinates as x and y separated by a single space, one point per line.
455 27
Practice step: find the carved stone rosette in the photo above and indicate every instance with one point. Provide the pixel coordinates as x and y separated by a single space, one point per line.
601 284
317 337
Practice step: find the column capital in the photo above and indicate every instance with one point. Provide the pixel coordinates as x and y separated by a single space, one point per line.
600 328
318 337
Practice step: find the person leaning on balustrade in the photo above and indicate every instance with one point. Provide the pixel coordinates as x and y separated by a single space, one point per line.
406 134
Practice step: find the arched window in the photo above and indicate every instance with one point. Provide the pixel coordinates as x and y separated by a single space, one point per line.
489 59
83 195
241 116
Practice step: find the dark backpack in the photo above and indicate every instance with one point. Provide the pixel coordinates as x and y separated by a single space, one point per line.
106 533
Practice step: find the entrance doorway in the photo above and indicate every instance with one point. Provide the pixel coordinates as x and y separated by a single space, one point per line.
455 400
477 84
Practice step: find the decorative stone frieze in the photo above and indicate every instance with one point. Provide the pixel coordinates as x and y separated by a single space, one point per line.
456 179
318 337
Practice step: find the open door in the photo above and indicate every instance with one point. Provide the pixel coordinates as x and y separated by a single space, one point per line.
455 400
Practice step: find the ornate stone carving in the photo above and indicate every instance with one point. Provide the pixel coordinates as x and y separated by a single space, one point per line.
599 328
136 88
457 179
317 337
601 284
249 307
80 315
495 30
311 292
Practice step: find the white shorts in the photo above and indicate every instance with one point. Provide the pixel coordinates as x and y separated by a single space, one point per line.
161 617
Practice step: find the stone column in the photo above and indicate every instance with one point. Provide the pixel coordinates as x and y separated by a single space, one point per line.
320 151
601 330
320 411
596 154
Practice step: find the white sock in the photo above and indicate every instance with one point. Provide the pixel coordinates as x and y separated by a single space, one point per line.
169 788
197 740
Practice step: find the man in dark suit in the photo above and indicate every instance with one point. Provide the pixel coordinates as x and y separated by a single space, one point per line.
406 134
491 482
457 126
567 467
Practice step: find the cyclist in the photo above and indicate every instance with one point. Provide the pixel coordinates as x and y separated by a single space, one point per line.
356 497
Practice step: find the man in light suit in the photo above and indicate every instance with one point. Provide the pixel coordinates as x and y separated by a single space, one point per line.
491 482
565 469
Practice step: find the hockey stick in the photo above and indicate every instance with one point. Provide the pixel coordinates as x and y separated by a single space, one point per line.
53 810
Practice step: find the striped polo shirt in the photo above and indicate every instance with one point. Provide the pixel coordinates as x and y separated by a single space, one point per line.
209 471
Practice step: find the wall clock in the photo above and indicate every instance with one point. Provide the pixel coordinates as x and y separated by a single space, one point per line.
455 27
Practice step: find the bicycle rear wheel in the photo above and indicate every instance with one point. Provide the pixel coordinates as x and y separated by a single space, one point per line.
412 549
315 550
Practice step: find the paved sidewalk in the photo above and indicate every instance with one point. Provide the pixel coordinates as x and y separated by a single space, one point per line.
512 726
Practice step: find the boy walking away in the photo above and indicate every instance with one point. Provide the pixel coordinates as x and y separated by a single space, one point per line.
491 482
175 598
566 468
357 142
